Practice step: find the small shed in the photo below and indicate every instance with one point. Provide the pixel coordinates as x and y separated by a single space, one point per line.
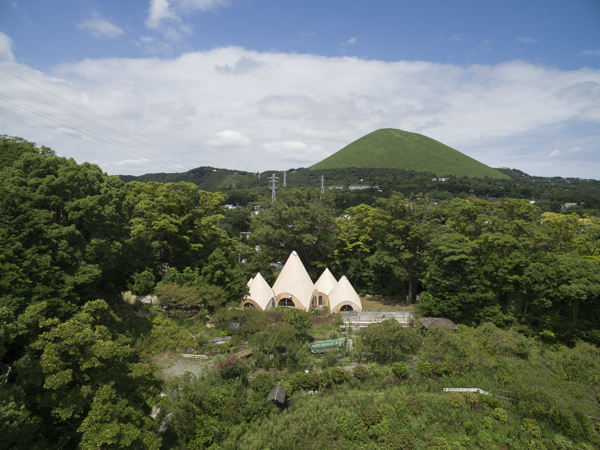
277 394
430 322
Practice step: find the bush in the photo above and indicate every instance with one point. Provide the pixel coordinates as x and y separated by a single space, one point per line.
339 376
308 381
400 370
500 415
415 405
361 373
424 368
390 341
232 368
489 401
262 383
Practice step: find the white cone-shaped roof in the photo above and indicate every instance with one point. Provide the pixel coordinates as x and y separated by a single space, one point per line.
260 292
294 279
249 282
326 282
344 294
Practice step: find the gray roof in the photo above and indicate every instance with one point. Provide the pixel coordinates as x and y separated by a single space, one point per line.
430 322
277 394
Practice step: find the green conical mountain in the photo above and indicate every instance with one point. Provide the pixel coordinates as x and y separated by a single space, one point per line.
396 149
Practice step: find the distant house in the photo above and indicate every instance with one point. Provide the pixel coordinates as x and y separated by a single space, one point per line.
358 187
336 186
568 205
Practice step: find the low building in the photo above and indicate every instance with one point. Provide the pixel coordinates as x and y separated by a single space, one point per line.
295 289
358 187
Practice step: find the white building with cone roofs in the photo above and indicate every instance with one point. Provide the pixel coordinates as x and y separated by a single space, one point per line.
295 289
261 295
324 286
293 286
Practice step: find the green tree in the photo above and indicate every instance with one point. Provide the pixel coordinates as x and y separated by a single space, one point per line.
13 147
85 214
390 341
402 228
177 222
298 220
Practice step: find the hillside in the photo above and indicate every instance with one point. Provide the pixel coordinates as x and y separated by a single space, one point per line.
397 149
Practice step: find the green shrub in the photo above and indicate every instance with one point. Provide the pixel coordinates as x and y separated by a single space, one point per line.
262 383
415 405
361 373
561 442
400 370
489 401
439 443
532 427
232 368
339 376
500 415
424 368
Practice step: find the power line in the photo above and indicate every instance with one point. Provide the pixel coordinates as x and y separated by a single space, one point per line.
161 148
31 109
73 135
54 105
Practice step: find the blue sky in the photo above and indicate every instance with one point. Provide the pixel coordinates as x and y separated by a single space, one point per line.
158 85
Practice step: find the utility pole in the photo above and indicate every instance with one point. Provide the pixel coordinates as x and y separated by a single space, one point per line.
284 179
273 180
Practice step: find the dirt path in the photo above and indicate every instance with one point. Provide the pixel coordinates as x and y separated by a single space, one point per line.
173 365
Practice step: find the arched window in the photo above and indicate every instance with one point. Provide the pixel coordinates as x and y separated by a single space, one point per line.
248 305
287 302
346 308
314 301
320 300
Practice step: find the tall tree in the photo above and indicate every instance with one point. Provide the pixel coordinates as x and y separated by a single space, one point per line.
298 220
176 222
402 228
86 215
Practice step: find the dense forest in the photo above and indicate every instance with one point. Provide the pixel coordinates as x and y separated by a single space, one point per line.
241 187
78 365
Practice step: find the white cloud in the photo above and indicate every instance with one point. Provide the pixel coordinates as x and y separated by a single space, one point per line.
230 107
526 39
589 52
159 10
574 150
554 153
229 138
6 54
351 41
163 10
100 27
457 37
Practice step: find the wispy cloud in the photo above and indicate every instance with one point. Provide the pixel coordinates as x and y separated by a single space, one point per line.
554 153
458 37
350 41
589 53
526 39
574 150
100 27
163 11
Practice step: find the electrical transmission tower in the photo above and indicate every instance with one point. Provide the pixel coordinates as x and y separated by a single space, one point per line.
322 184
284 179
273 180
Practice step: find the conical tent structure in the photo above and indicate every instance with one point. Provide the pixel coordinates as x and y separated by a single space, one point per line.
324 286
261 295
343 296
294 286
